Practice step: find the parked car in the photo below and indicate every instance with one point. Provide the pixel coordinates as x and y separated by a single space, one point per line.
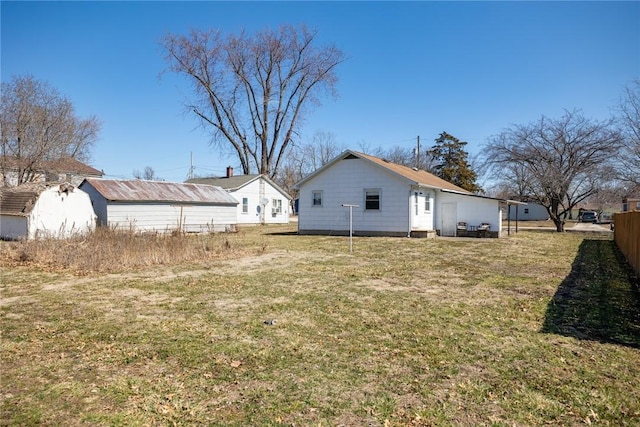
589 216
605 218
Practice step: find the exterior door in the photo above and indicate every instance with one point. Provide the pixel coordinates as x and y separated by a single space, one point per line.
449 219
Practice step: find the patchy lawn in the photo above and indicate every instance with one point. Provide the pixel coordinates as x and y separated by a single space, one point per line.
537 328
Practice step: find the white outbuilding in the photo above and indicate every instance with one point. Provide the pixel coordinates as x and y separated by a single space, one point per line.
160 206
44 210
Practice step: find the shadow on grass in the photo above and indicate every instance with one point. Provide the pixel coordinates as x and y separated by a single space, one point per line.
599 300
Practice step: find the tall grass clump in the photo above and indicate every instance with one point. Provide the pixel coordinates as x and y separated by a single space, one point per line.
107 250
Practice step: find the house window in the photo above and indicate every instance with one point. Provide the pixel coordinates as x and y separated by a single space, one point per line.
427 202
245 205
317 198
372 199
276 207
526 210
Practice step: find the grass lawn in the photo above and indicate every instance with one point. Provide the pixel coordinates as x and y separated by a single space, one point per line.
533 329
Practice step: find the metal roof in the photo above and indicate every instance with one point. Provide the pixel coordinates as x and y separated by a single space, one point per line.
159 191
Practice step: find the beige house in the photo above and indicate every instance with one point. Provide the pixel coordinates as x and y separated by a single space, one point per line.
65 169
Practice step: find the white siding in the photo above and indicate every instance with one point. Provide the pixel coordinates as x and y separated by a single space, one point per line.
530 212
98 202
346 183
472 210
55 214
61 214
166 217
255 191
13 227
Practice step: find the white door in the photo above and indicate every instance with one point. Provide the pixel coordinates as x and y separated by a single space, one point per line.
449 221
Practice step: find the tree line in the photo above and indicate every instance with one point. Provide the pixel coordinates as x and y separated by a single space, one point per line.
252 92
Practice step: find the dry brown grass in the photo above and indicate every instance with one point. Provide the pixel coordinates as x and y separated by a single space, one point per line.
535 329
108 251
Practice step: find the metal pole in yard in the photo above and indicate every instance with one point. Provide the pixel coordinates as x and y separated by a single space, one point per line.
350 224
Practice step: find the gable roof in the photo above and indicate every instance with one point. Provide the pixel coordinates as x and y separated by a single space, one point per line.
159 191
20 200
62 165
412 176
236 182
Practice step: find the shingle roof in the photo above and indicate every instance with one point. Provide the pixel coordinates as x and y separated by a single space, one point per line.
415 176
21 199
236 182
63 165
420 177
228 183
159 191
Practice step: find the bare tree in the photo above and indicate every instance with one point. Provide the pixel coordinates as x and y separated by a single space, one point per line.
304 159
560 162
148 174
37 125
629 116
254 91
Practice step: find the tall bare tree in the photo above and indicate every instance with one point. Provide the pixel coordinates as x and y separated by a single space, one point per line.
559 162
37 125
629 115
254 90
303 159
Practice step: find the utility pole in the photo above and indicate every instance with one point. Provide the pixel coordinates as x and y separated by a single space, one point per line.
418 153
191 167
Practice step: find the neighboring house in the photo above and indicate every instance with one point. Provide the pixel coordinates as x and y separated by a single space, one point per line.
528 212
260 200
65 169
631 203
44 210
391 200
161 206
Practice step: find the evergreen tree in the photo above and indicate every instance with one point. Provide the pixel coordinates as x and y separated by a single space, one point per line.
451 164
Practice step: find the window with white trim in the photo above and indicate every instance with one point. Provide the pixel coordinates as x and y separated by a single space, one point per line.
317 198
427 202
245 205
372 199
276 207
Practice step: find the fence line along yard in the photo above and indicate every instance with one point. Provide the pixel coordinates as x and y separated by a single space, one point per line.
627 236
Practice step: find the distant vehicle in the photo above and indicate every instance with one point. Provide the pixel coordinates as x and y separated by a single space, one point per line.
589 216
605 218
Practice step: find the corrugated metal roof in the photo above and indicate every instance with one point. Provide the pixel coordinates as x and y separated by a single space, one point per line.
160 191
21 199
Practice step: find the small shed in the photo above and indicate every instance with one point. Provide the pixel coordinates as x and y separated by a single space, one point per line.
45 210
260 200
160 206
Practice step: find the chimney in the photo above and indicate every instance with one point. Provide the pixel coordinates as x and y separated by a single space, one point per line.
229 171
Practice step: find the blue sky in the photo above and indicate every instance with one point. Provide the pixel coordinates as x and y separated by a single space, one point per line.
414 69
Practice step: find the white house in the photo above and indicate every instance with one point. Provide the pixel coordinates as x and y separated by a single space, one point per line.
260 200
390 199
161 206
44 210
528 212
